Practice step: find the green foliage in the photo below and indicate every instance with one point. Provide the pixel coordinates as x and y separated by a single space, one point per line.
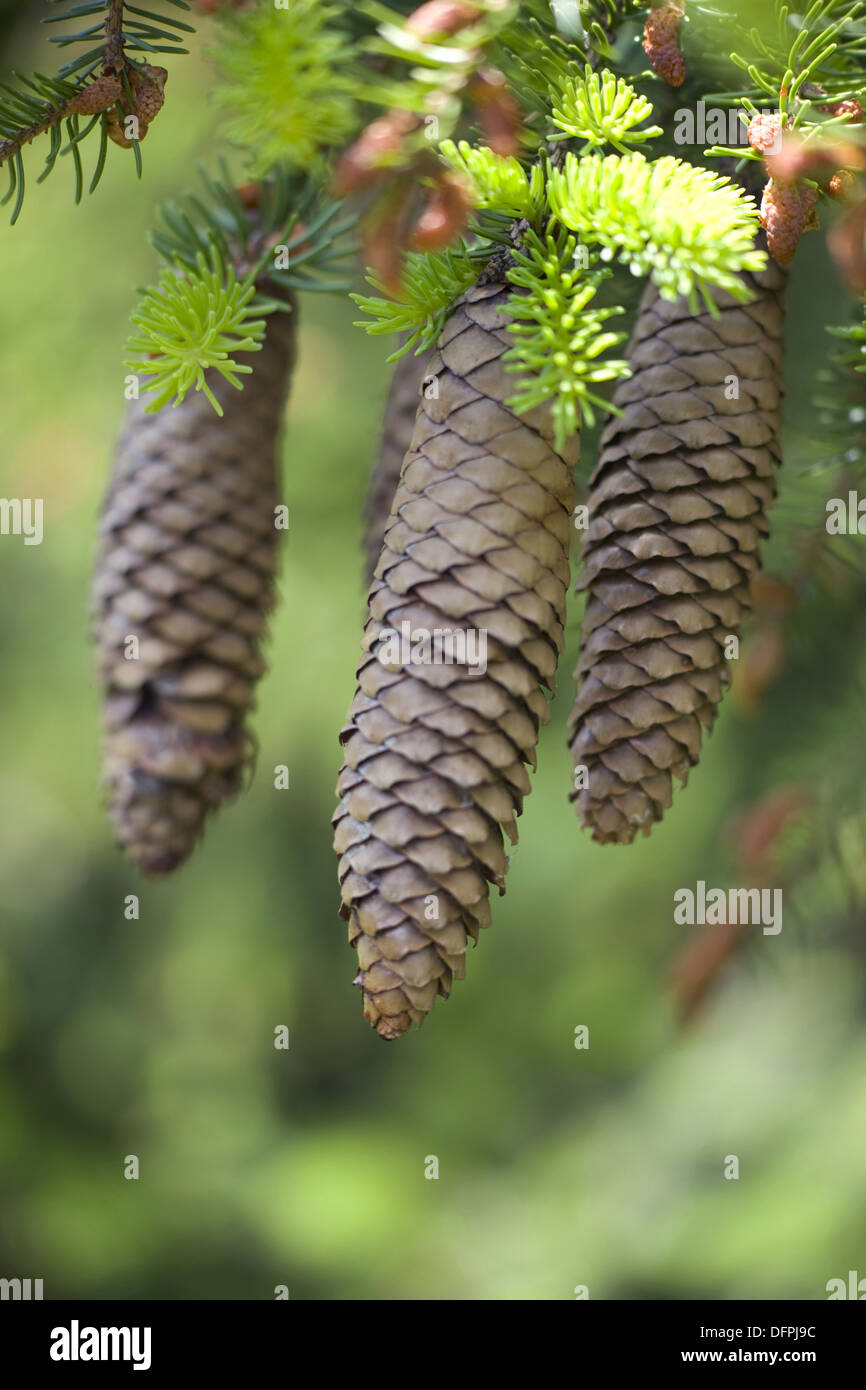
26 112
426 75
800 547
560 338
432 281
189 325
312 1165
221 258
139 30
686 227
824 45
286 83
501 184
290 222
601 110
855 333
536 60
41 104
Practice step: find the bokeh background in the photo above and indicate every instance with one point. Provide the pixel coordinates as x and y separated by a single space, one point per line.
558 1167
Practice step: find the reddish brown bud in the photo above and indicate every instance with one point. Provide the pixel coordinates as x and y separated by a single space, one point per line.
211 6
700 964
757 834
787 211
760 665
846 244
499 113
249 194
441 18
850 108
378 146
765 132
444 217
819 158
841 184
385 237
147 85
771 596
96 96
661 43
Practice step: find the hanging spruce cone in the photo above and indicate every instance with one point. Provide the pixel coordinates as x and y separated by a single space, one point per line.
434 755
186 566
398 422
677 509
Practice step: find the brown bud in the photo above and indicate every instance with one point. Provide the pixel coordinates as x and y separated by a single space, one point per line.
850 108
441 18
841 184
757 833
700 964
147 85
787 211
661 43
765 132
499 113
385 237
819 158
846 244
97 96
771 596
249 194
444 217
211 6
378 145
760 665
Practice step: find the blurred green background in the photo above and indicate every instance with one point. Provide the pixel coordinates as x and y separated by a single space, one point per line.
557 1166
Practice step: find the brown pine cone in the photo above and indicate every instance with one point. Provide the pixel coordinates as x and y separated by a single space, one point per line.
434 755
398 422
186 566
677 509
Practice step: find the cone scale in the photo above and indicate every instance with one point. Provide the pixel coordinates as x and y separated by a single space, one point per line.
435 757
181 592
398 422
677 508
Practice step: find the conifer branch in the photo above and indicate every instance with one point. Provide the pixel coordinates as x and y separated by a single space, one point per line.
103 83
230 257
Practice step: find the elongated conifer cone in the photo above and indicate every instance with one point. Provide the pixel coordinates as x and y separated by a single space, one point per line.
677 508
434 756
398 422
186 565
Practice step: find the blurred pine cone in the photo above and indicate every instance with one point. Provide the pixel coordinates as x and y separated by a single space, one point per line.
434 756
398 422
186 565
677 509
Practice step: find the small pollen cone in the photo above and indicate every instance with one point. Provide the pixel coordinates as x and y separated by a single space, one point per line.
181 592
435 750
661 42
787 211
